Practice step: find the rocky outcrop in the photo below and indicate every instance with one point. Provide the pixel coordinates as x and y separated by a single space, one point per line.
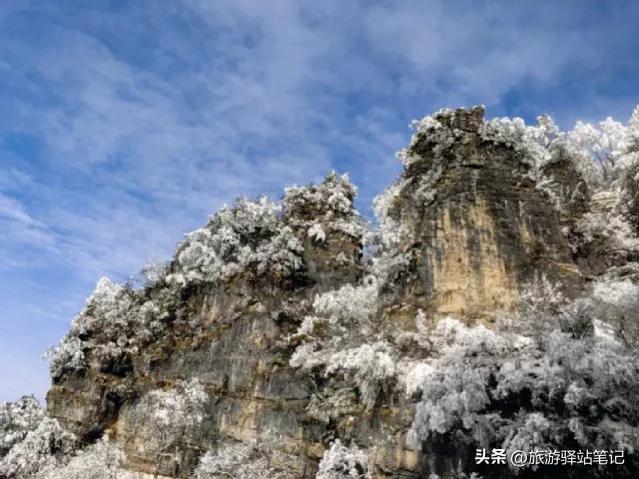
472 227
477 224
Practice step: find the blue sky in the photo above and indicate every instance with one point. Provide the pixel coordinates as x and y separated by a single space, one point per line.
124 124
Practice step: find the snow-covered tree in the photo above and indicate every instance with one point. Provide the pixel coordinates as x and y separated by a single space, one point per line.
68 355
607 144
344 462
534 144
538 308
618 305
324 209
17 419
114 323
391 232
248 237
29 441
47 446
568 391
171 417
235 459
606 229
154 273
102 460
344 338
177 409
371 367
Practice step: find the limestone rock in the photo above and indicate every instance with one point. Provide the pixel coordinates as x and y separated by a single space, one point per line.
473 227
479 226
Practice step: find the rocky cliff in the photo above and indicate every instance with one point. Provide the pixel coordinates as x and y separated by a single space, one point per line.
296 341
476 222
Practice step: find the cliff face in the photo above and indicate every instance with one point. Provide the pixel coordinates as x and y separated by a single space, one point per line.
468 227
477 222
230 336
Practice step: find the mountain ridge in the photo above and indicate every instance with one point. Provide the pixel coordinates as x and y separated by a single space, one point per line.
493 307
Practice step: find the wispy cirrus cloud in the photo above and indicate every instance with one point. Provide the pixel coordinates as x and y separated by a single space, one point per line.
12 210
22 234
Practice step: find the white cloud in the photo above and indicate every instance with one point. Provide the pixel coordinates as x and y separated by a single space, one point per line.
476 55
20 232
12 210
